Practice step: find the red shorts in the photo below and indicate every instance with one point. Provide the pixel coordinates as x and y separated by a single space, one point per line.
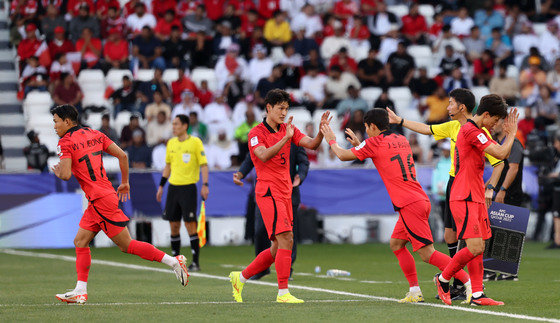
413 224
104 214
277 213
471 219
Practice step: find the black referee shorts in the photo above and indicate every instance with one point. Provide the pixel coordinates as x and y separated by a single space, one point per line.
181 203
448 221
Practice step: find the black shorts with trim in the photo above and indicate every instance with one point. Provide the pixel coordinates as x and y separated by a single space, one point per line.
448 221
181 203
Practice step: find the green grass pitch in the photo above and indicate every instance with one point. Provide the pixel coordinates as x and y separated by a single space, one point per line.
28 285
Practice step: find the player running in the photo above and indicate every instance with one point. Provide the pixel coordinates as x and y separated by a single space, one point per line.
269 146
461 104
81 150
467 200
392 156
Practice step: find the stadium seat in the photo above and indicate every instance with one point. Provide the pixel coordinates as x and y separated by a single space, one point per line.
200 74
422 55
401 96
94 120
400 10
49 140
37 103
428 11
370 94
40 121
111 164
91 77
479 92
114 78
144 75
170 75
123 118
301 117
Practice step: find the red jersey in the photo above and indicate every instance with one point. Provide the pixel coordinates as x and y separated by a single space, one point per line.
469 163
86 146
413 25
273 175
159 7
392 156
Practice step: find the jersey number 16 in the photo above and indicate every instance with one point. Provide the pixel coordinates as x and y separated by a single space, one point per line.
410 162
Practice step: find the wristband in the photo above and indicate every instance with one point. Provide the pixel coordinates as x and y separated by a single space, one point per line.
490 187
162 181
402 122
205 184
503 188
331 142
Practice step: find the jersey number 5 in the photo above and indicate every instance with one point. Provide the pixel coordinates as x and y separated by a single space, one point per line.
88 164
410 163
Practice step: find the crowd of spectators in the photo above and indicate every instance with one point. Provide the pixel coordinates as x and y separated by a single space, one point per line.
328 49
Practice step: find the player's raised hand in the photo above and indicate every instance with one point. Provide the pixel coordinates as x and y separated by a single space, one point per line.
290 128
327 133
159 194
352 138
393 118
510 124
124 192
325 118
237 179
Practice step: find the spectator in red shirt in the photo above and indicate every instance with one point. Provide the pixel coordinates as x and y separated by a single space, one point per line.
346 62
214 9
163 27
129 7
90 48
73 7
29 46
242 6
161 7
183 83
345 9
102 8
25 9
185 7
414 26
527 124
114 20
437 26
68 92
60 44
368 7
268 7
249 21
204 95
115 52
359 30
483 68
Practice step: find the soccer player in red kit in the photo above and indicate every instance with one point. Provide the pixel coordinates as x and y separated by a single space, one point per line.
81 151
467 201
269 146
392 156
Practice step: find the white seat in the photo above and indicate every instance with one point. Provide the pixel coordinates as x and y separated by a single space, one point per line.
123 118
370 94
539 28
111 164
401 96
428 11
170 75
422 55
51 141
91 76
94 120
144 75
479 92
114 78
37 103
96 98
200 74
301 117
39 121
400 10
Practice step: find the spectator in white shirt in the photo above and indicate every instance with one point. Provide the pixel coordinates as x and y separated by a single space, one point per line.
308 20
140 18
447 38
217 115
549 45
159 130
332 44
313 88
228 65
382 21
462 24
220 151
158 157
238 115
292 7
523 42
388 45
187 105
260 66
337 85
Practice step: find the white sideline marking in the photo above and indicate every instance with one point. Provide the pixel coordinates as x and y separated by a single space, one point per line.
313 289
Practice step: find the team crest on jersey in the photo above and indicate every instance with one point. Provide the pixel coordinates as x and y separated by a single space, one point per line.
254 141
186 158
59 151
361 145
482 138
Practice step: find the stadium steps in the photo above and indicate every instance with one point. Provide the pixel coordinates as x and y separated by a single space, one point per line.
12 123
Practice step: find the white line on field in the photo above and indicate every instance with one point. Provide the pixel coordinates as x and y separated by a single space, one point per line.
313 289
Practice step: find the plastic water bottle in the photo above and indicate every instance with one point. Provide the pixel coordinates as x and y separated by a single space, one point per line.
317 269
337 272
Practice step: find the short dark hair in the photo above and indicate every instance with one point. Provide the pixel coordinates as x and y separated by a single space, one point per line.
379 117
183 118
106 116
464 96
494 104
273 97
66 111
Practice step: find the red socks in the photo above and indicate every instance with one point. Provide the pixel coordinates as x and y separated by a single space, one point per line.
441 261
283 264
407 266
460 260
145 251
262 262
83 262
476 271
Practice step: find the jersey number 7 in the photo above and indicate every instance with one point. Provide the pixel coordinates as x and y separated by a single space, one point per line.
410 163
88 164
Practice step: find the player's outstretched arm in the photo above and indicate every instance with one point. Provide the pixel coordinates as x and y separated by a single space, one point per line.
510 128
265 154
124 189
63 169
314 143
341 153
412 125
